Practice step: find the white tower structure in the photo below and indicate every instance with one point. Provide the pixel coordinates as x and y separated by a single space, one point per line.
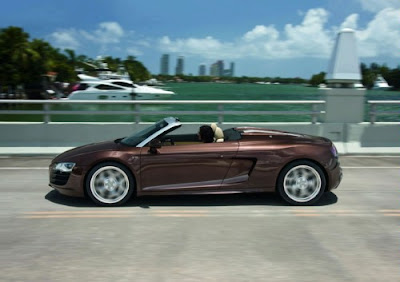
344 103
344 67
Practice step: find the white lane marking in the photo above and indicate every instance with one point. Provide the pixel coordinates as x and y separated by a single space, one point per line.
23 168
371 167
366 156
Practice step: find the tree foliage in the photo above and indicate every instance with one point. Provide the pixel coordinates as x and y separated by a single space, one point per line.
317 79
137 71
25 61
369 75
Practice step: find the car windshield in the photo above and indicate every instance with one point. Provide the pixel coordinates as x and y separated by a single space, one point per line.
140 136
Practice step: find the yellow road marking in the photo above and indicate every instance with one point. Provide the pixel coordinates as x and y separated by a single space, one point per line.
179 215
78 212
342 211
305 211
110 214
78 216
389 211
107 213
111 211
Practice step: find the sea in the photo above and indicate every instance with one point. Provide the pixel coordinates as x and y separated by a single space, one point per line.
215 91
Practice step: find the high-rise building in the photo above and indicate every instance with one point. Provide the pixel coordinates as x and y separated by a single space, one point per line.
220 64
217 69
179 65
164 64
232 69
202 70
214 70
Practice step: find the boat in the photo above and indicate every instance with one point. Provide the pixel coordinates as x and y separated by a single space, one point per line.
153 82
94 88
358 85
109 85
381 84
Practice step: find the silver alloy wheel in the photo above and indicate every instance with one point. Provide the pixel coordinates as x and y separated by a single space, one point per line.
302 183
109 184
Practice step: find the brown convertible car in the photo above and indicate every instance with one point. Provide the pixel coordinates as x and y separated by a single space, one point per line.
300 168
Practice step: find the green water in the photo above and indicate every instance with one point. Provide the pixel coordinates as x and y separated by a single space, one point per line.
211 91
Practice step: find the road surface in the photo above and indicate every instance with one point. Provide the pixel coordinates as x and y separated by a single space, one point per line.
352 235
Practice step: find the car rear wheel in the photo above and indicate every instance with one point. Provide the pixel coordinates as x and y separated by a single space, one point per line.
301 183
110 184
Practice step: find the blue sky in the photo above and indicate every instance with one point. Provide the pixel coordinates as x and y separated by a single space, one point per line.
284 38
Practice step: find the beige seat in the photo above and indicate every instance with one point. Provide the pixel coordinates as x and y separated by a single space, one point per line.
218 133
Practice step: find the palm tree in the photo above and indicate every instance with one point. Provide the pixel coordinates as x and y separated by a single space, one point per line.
16 55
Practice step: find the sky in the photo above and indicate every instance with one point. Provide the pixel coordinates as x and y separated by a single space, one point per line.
286 38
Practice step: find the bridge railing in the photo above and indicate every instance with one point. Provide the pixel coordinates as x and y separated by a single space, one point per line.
314 112
373 112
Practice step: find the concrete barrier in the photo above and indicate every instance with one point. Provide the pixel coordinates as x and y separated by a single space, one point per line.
53 138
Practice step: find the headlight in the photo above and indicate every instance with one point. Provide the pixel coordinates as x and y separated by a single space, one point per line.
64 167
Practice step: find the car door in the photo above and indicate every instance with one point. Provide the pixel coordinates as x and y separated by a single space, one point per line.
201 166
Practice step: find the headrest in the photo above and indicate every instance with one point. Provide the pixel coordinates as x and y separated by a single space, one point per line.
218 133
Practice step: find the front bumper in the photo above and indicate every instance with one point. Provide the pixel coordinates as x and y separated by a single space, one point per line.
70 184
336 176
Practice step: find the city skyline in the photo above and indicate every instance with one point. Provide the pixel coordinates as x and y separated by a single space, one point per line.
287 38
216 69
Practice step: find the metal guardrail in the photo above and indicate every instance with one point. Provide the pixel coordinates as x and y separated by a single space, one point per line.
373 113
46 112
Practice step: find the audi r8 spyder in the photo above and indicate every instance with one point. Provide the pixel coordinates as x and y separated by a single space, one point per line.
155 161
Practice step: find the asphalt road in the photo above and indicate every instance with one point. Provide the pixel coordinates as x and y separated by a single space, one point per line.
352 235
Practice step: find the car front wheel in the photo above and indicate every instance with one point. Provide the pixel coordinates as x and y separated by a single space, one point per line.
301 183
109 184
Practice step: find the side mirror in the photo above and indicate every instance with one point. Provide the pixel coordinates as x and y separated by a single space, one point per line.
154 145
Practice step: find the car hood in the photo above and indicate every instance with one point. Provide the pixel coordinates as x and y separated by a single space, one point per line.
90 148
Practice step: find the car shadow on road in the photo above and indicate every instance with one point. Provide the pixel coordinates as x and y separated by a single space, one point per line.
266 199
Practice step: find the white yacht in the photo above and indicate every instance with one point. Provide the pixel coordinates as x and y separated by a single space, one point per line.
381 84
358 85
109 85
93 88
153 82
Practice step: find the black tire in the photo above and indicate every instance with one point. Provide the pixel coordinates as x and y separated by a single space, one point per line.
109 184
301 183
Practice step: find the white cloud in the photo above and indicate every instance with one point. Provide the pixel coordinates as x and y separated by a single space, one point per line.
350 22
134 51
65 39
208 46
381 36
143 42
378 5
106 33
261 32
307 39
310 38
